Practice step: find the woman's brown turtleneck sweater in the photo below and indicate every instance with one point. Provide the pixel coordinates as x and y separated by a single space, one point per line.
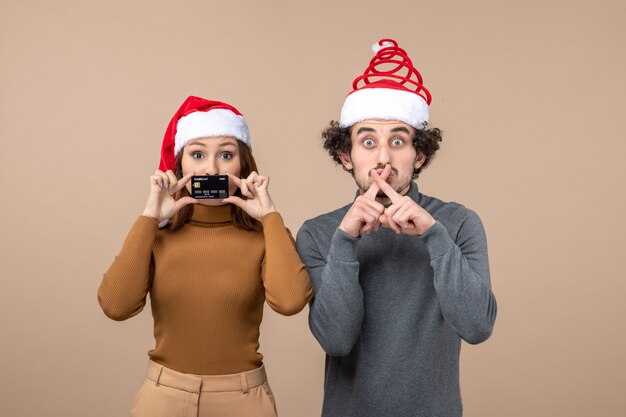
207 283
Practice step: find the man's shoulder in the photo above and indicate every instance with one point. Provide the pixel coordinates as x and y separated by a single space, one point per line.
321 229
330 219
436 204
445 211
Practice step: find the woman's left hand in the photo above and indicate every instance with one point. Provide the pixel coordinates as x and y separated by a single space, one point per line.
259 203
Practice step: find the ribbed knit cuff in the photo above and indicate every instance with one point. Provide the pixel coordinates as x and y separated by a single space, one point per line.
437 240
273 219
145 223
343 246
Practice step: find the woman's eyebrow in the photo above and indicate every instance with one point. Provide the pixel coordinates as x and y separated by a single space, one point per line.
227 143
205 145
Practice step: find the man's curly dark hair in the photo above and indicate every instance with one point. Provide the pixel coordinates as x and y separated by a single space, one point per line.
337 140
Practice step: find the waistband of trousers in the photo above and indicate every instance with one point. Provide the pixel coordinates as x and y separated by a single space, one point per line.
243 381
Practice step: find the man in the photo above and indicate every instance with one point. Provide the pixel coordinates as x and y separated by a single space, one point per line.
400 278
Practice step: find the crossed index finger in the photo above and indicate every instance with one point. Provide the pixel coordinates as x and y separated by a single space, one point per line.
372 192
385 188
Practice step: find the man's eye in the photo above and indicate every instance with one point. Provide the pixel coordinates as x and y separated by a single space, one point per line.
397 142
368 142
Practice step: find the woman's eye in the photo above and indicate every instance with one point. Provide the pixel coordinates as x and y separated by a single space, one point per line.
368 143
196 155
397 142
227 156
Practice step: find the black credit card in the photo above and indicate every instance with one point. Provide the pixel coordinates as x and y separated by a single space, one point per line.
209 186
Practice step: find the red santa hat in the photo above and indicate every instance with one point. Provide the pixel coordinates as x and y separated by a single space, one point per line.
200 118
391 89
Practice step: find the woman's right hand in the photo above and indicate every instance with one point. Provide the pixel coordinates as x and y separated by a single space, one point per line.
161 204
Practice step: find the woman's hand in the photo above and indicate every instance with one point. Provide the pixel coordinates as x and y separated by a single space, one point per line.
259 202
161 204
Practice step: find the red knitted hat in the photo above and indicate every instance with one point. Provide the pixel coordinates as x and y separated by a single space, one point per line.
201 118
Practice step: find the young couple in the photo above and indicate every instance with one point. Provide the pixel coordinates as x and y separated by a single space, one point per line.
395 280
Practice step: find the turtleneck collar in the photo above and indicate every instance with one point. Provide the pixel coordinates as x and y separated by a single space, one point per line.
211 215
414 192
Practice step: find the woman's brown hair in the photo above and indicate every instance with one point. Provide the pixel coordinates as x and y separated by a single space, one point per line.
241 219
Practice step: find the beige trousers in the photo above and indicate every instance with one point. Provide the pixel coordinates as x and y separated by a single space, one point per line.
167 393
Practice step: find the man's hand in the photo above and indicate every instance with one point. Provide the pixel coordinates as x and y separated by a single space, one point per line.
403 215
363 217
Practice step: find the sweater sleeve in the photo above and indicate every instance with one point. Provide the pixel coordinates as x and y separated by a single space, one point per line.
461 278
123 290
286 281
336 309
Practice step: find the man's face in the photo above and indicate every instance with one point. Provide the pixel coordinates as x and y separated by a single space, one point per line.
377 143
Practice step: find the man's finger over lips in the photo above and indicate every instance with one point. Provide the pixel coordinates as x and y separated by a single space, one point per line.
385 188
372 192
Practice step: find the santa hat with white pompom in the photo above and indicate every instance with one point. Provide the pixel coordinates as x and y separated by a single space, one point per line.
201 118
390 89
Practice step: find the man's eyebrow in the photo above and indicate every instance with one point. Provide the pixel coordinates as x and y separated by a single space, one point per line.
401 129
365 129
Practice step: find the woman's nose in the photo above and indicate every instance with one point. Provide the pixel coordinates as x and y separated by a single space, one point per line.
210 168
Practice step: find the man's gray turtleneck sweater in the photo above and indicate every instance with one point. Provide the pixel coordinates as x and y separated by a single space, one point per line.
390 310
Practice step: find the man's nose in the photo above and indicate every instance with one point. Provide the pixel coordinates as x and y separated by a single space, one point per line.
383 156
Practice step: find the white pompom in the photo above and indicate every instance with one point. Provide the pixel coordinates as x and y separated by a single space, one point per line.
376 47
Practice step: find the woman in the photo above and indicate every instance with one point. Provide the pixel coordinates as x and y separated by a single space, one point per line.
208 269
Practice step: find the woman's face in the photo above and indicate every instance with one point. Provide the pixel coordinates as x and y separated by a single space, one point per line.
212 156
